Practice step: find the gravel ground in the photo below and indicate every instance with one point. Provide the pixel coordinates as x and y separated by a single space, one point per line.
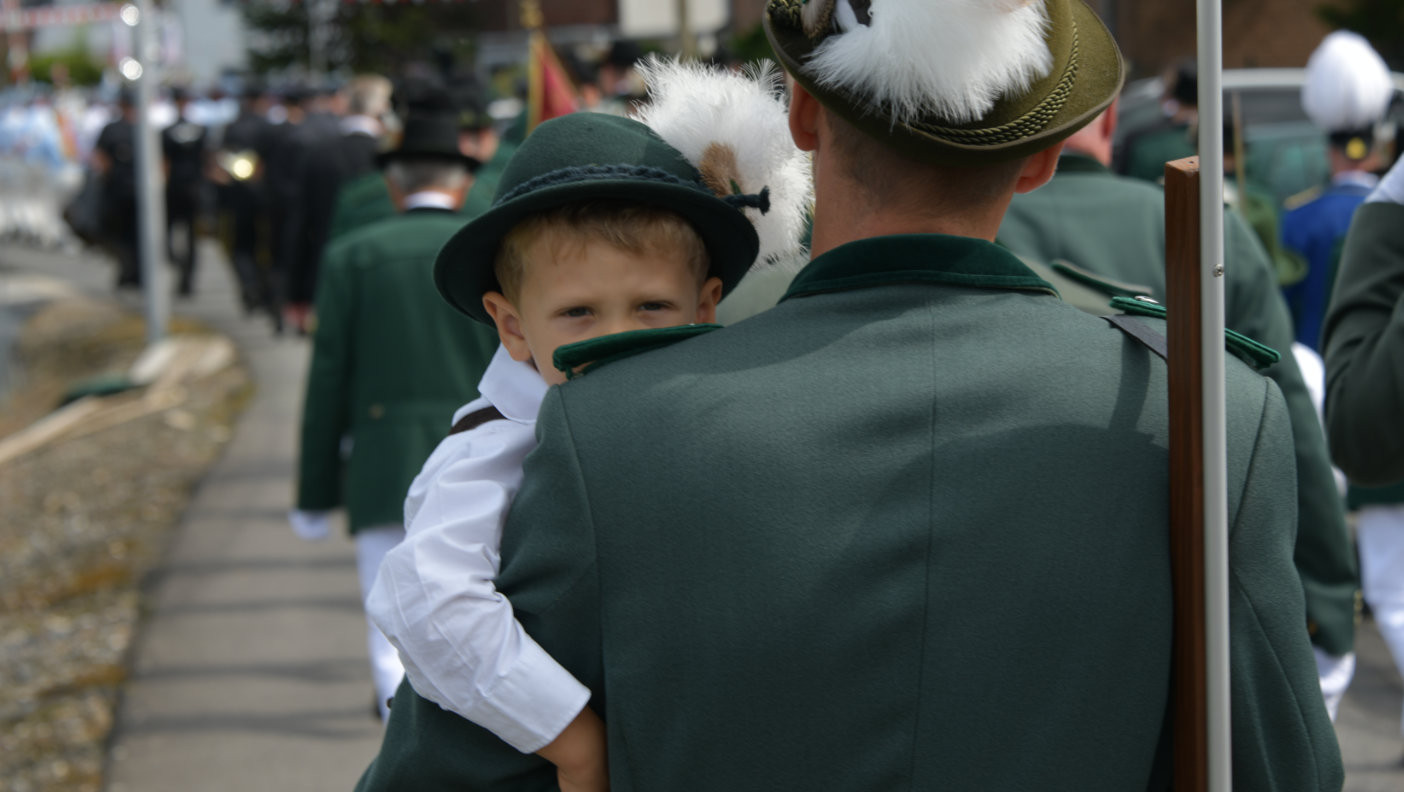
84 521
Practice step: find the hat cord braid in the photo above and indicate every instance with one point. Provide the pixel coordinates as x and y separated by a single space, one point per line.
584 173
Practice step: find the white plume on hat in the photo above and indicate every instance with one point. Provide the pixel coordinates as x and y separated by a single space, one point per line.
1348 85
949 58
734 128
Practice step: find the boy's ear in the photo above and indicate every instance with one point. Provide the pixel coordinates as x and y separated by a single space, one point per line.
509 325
707 301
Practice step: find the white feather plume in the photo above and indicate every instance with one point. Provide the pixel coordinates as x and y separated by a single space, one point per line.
699 109
1348 85
949 58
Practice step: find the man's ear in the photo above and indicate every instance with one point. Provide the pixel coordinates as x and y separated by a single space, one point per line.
1038 169
707 302
509 325
804 117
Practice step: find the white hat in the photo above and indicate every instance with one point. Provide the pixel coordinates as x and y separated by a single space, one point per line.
1348 87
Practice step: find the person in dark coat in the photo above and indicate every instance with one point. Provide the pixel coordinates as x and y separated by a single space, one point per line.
367 99
184 154
307 172
114 159
239 170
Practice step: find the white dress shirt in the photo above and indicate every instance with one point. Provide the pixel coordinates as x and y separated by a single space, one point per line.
435 598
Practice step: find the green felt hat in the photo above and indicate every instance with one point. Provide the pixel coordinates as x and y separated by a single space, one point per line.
1086 75
587 157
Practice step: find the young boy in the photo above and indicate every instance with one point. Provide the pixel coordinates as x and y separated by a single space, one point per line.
600 227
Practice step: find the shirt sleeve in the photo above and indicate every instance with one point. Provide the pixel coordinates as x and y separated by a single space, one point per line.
436 600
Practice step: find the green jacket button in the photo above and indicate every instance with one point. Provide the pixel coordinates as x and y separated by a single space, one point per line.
377 411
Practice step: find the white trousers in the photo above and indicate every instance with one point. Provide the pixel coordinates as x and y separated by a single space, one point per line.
1380 535
386 671
1334 673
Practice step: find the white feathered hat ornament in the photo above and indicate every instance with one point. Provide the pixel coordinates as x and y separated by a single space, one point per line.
1348 86
734 128
955 82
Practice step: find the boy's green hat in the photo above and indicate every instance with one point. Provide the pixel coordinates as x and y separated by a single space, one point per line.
585 157
1085 75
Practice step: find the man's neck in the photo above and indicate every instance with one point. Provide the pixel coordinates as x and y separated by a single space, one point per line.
847 217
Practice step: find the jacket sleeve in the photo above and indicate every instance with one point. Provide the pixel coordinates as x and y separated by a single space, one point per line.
1282 737
1364 349
326 408
1323 552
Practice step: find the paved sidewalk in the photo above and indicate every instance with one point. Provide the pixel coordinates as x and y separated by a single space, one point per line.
250 671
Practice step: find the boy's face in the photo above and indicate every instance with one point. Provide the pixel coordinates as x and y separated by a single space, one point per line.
572 293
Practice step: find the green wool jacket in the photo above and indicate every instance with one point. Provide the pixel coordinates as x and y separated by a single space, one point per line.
1115 227
1364 351
905 530
391 361
1144 153
360 202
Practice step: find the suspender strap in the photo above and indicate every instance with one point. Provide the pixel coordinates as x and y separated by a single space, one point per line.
1142 332
477 418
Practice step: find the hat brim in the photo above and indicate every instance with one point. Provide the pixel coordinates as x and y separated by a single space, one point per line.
1007 132
464 270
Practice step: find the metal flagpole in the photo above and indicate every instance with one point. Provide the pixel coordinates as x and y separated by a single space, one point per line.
151 205
1211 209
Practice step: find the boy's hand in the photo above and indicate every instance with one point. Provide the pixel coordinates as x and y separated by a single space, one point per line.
579 755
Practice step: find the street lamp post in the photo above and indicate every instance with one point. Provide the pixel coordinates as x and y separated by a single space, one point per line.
142 71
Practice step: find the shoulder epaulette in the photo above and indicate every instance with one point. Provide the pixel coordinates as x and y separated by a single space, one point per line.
1302 198
1083 289
584 356
1255 354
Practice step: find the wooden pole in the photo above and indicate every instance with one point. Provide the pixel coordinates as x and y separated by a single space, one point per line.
1184 332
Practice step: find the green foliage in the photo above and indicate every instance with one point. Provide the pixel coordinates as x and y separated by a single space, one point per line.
363 37
83 68
1380 21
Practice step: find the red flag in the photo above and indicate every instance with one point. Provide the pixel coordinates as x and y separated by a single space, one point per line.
550 92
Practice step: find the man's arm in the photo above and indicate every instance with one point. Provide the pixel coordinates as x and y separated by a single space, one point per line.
1323 553
1364 349
326 408
1282 737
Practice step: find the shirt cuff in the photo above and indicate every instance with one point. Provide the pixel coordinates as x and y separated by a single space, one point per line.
532 703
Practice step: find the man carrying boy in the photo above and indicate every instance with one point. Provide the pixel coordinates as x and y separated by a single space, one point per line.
907 529
628 239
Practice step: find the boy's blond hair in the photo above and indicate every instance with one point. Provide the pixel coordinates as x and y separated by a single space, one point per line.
628 226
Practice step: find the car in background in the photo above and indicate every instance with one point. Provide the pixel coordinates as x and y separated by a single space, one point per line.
1286 152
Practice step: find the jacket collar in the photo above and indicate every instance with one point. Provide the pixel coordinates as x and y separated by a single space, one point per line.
1076 162
916 258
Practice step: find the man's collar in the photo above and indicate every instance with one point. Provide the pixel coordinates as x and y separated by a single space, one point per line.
916 258
1355 178
1077 162
429 199
362 124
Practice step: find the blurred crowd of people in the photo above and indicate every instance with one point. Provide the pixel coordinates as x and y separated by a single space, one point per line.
273 172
